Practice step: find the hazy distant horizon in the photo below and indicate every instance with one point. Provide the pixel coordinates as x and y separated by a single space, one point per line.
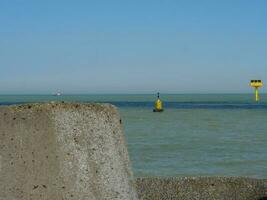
69 94
132 46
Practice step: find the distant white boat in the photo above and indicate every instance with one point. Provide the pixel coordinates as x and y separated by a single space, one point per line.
57 94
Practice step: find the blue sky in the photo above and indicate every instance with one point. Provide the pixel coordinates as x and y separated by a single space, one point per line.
137 46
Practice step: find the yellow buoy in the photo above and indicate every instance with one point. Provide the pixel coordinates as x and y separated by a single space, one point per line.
256 84
158 105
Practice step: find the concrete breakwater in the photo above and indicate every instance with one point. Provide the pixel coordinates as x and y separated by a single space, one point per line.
61 151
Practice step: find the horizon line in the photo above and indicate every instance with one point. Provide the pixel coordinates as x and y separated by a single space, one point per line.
163 93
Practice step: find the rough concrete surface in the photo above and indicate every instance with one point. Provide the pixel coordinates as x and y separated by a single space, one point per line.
202 188
59 151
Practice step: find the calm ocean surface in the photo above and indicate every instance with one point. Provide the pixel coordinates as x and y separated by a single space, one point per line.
196 135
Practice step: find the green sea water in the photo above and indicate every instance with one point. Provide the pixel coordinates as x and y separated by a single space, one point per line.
196 135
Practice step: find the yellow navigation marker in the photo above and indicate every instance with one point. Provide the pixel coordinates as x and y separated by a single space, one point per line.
158 105
256 84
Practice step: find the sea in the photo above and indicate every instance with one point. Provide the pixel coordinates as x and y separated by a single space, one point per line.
196 135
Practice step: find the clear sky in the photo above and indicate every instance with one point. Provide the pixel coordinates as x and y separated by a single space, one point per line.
137 46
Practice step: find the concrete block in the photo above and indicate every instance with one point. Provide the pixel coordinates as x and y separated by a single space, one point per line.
60 151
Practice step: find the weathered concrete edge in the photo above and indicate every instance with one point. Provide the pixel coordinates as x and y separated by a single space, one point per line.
44 109
60 105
